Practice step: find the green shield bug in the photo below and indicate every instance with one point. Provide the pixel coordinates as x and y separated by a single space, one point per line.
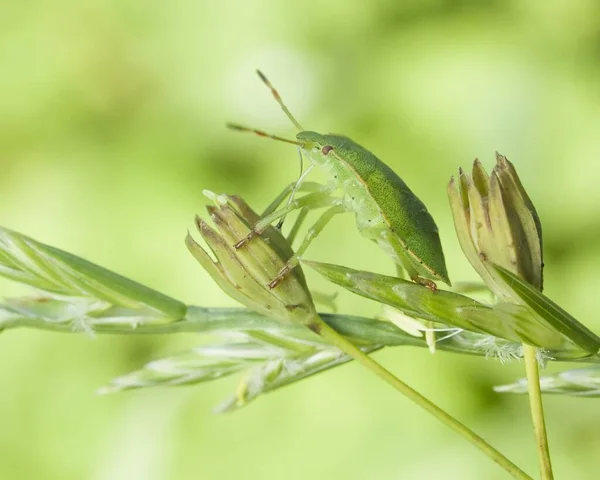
386 210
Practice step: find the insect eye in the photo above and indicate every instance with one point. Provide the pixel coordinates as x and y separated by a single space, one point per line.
326 149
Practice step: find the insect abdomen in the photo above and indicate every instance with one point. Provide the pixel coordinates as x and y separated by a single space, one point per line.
399 209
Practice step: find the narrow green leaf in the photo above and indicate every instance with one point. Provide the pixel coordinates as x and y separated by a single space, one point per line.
57 272
550 312
516 324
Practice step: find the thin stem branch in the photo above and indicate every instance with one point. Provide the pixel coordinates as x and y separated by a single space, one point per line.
329 334
537 411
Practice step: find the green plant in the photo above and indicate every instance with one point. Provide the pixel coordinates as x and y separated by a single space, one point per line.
269 343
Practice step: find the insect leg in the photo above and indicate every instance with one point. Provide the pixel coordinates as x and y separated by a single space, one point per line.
297 224
401 258
306 186
400 271
313 232
310 201
430 284
415 277
279 199
298 184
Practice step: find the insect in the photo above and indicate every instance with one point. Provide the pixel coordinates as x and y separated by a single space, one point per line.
386 210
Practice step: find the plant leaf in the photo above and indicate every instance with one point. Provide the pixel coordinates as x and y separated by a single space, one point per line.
515 322
550 312
59 273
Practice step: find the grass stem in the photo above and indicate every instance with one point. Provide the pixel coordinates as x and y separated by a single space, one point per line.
537 411
329 334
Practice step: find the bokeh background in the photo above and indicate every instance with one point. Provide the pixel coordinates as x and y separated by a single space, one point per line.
112 123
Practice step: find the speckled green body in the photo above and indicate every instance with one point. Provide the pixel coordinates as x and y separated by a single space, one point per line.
386 210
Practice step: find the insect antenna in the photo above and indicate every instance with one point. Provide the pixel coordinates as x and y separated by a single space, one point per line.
260 133
279 100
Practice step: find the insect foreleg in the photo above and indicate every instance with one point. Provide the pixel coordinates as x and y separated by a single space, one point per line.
305 187
297 186
310 201
278 200
313 232
297 224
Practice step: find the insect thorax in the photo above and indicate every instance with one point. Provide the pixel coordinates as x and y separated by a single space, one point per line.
340 163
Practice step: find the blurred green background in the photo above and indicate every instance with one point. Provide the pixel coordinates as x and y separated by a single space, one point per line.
112 123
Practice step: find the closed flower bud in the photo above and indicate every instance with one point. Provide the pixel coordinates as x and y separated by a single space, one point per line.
500 233
244 273
497 224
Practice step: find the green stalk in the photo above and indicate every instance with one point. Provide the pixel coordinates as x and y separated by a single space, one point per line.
537 411
334 338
